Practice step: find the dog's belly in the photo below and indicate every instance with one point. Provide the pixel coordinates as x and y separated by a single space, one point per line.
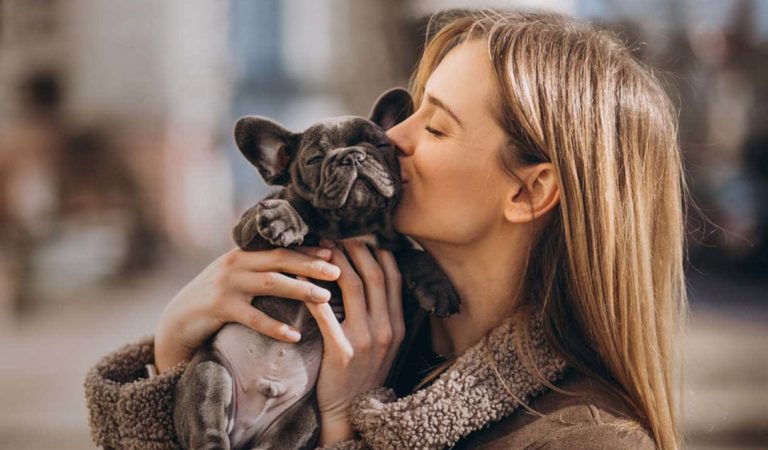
268 377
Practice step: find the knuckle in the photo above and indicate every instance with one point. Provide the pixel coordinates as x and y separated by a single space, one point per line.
280 255
365 344
278 330
231 258
383 338
337 254
352 241
345 357
375 277
217 303
315 265
268 281
256 321
395 278
397 338
308 295
398 333
355 286
221 281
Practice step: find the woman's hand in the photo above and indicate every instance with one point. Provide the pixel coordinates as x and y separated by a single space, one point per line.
222 293
358 353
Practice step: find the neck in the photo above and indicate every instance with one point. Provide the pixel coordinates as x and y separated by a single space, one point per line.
487 274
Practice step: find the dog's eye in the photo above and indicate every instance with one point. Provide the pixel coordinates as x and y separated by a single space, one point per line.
315 160
383 144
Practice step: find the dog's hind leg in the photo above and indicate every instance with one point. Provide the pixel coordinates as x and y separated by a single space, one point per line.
202 406
298 428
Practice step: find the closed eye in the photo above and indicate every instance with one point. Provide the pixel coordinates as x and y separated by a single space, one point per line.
434 132
314 160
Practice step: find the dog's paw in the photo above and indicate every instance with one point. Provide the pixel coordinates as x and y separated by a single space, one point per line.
280 224
437 297
246 230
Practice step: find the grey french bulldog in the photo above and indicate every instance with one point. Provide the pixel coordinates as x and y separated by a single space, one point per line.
340 178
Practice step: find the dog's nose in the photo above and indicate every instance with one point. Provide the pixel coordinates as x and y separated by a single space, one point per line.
353 157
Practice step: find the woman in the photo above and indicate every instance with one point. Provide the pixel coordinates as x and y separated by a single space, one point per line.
543 174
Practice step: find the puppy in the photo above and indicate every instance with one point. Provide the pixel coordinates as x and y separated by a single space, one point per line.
340 178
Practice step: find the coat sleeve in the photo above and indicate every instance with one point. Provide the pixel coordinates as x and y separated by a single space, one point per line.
126 409
351 444
360 408
604 436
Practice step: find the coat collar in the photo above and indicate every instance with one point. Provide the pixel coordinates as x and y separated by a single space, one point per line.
468 396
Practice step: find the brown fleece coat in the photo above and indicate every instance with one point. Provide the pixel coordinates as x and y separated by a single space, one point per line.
466 407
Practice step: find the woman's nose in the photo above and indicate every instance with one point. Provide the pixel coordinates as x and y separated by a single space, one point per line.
399 136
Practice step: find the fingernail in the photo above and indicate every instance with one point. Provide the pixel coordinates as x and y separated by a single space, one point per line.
293 334
323 253
321 294
331 270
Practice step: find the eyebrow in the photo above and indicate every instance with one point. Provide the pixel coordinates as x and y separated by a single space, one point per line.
439 103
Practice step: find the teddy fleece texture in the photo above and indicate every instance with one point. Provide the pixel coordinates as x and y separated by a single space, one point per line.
129 411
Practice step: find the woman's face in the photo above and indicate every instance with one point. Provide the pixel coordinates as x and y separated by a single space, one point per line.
455 187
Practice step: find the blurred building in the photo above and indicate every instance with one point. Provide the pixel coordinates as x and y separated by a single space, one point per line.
111 135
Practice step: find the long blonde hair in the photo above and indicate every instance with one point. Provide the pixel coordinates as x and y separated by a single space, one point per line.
608 271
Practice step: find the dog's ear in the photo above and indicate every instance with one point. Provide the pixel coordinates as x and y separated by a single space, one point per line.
267 145
391 108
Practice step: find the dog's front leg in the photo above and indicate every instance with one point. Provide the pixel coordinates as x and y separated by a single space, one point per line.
424 280
272 222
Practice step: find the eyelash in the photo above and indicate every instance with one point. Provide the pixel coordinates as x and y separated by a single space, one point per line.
434 132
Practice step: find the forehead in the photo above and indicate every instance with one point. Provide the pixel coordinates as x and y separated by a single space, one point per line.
342 130
463 80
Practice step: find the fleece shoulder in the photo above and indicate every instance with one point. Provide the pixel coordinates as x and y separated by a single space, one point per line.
127 410
605 436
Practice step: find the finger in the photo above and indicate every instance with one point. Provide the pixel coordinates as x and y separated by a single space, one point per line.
327 243
277 284
338 308
335 341
320 252
372 275
394 288
286 260
394 300
254 318
352 293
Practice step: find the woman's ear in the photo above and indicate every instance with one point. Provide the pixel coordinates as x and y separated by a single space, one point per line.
539 194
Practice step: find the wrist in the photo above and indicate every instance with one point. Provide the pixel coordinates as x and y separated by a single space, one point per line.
167 356
336 429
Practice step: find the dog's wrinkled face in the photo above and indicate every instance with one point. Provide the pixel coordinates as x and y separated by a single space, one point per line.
345 165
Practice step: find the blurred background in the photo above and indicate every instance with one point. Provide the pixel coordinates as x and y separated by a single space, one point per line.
120 181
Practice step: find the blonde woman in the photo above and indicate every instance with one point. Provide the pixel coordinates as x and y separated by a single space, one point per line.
544 175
